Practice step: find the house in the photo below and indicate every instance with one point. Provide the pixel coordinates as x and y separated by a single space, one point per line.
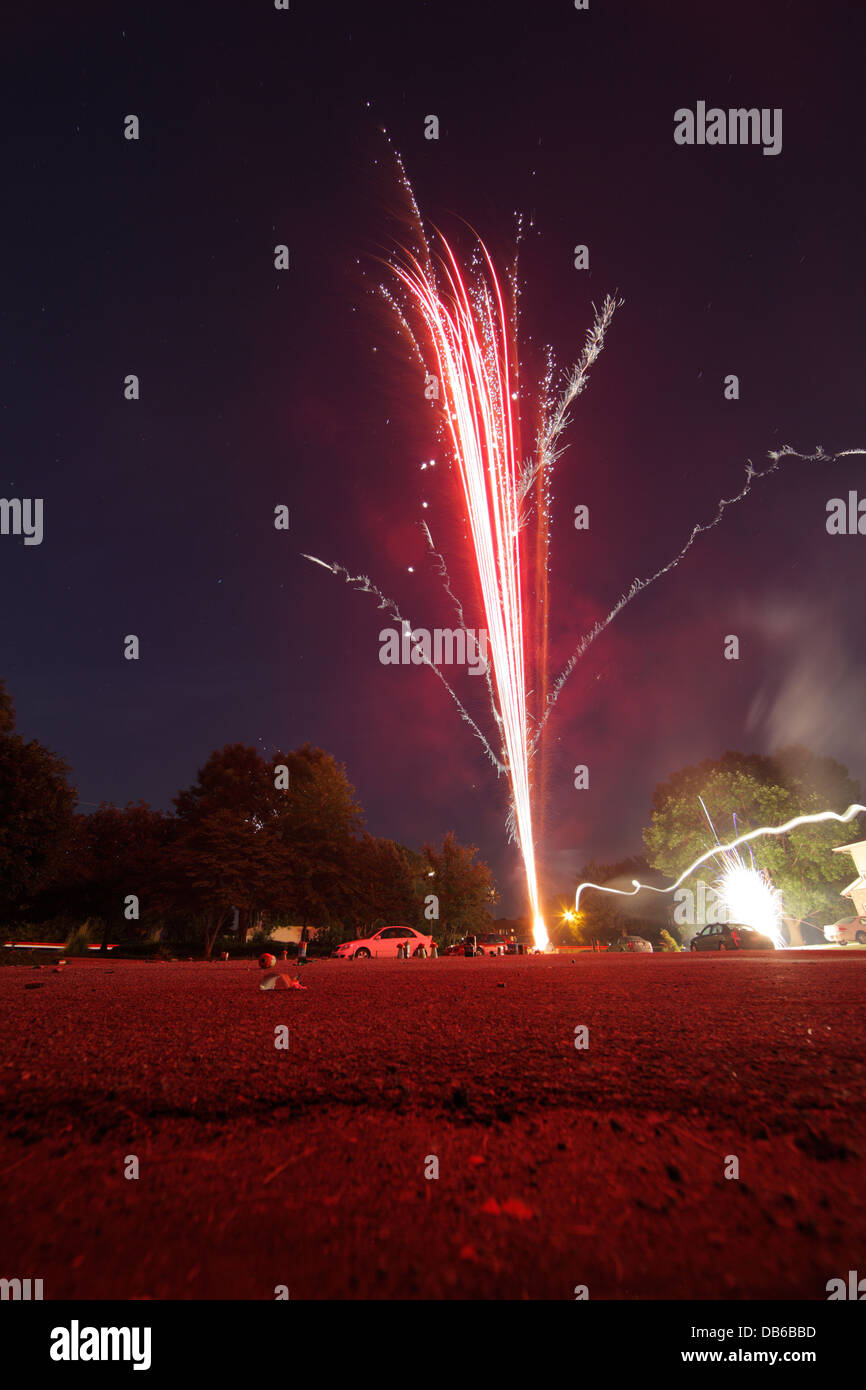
284 935
856 891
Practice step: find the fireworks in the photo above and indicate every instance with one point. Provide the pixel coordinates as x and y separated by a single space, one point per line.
472 355
747 893
468 340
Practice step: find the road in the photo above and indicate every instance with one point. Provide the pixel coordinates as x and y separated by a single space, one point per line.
558 1167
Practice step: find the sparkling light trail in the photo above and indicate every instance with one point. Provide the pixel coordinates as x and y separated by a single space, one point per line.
479 368
749 896
745 893
471 347
717 850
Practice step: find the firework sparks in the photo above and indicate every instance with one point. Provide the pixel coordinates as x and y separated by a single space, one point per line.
478 366
734 864
364 585
638 585
471 348
747 895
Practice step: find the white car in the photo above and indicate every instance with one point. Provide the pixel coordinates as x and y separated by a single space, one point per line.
386 943
631 943
848 929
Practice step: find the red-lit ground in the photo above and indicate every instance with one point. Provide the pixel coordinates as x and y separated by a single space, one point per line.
557 1167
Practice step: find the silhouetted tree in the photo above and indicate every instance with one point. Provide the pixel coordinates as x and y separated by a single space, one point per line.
36 810
111 854
463 887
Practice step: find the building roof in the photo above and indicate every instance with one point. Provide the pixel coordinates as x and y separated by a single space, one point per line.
856 844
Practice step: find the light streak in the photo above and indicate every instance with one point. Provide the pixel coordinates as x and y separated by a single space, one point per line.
717 850
638 585
745 893
479 368
472 352
748 895
365 586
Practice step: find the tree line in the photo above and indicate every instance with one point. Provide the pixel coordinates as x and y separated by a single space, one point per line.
254 842
258 841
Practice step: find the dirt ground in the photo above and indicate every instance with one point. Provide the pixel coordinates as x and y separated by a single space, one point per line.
558 1166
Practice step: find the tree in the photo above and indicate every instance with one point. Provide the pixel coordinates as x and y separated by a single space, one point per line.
464 888
282 830
388 882
743 792
604 916
112 853
217 863
36 809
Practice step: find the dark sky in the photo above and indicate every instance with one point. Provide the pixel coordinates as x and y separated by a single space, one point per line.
260 387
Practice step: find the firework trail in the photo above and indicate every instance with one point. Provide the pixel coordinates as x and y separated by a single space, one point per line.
746 893
718 851
638 585
478 366
467 330
365 586
461 618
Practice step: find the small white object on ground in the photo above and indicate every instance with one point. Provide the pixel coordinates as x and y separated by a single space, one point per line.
276 981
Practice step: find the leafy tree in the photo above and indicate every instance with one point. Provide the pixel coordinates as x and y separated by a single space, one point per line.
217 863
744 792
319 818
387 884
605 916
36 809
463 887
111 852
286 825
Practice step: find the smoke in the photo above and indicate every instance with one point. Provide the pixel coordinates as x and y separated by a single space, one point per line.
816 693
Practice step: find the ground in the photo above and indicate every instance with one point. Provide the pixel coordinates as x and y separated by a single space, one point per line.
558 1167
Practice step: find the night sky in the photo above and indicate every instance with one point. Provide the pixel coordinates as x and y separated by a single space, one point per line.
259 387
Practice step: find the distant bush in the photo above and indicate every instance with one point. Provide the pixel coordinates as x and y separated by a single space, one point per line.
667 942
79 939
53 929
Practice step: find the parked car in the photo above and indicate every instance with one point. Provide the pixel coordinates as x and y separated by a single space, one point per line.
491 943
848 929
386 943
722 937
631 943
469 946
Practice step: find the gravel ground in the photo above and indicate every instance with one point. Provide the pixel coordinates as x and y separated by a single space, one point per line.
558 1166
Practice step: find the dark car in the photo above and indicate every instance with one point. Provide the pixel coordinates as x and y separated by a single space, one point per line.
721 937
